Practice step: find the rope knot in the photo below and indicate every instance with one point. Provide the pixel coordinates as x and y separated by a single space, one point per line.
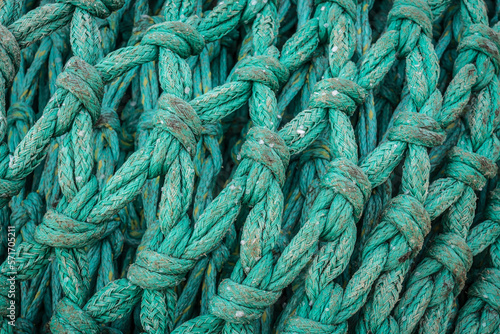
492 209
178 118
268 148
347 5
263 69
347 179
253 8
239 303
83 81
66 229
69 318
10 55
60 230
410 218
483 39
342 94
454 254
320 313
108 120
98 8
297 324
470 168
416 128
146 120
153 270
158 270
213 130
415 12
181 38
487 289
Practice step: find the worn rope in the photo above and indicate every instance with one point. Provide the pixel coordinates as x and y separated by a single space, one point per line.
197 166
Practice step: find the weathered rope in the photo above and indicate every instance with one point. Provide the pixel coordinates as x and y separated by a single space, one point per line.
197 166
470 163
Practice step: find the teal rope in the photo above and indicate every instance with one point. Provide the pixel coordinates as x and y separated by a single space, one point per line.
86 207
477 145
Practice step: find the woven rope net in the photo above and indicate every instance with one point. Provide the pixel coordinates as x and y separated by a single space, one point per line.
249 166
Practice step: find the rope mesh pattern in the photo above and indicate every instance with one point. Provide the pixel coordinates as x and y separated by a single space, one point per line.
249 166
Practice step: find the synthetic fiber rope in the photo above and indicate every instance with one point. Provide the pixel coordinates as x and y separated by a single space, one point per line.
249 166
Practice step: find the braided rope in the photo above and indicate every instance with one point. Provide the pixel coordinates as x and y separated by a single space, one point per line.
289 273
289 209
480 312
480 145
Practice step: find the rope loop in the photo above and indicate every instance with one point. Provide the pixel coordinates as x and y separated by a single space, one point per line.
181 38
492 209
69 318
10 55
264 69
155 270
454 254
109 120
178 118
487 289
416 128
342 94
417 11
59 229
268 148
20 112
239 303
347 179
470 168
347 5
84 82
483 39
410 218
98 8
214 130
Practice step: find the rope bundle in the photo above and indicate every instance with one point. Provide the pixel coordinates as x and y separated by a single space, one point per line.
244 166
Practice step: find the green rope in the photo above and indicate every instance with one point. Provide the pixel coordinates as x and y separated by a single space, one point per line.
191 166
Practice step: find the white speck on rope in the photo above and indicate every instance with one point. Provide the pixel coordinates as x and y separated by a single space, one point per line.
239 314
335 48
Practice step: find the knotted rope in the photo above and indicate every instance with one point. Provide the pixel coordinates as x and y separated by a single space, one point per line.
255 226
